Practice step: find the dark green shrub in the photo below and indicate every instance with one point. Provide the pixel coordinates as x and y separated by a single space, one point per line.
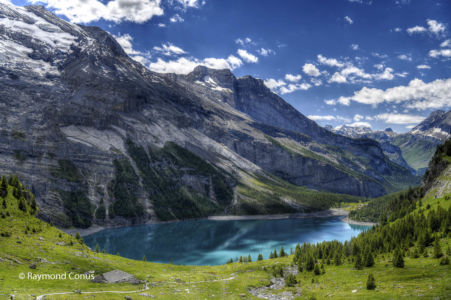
371 282
290 280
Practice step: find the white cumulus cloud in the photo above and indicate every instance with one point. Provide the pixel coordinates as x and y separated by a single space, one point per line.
416 95
176 19
349 20
169 49
435 27
400 119
292 87
440 52
359 124
406 57
293 78
190 3
446 43
331 62
247 57
185 65
125 40
358 117
338 78
416 29
265 52
311 70
272 83
86 11
243 41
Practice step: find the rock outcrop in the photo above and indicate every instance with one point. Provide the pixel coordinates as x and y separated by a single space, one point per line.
116 276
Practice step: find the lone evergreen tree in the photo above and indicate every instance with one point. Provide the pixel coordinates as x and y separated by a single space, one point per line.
260 257
369 260
144 258
371 282
398 260
282 252
310 264
249 258
97 248
358 262
317 270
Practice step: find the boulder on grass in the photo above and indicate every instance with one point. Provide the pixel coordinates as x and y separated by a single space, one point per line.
116 276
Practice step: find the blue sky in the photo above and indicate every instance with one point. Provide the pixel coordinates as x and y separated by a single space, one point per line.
360 62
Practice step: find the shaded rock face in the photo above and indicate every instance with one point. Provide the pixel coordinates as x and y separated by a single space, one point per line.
101 139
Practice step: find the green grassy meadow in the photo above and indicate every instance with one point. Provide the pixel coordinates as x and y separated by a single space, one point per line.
25 240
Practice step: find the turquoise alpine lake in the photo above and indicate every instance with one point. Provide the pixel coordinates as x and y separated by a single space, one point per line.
209 242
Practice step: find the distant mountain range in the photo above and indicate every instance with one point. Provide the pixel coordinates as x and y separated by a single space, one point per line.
101 139
413 149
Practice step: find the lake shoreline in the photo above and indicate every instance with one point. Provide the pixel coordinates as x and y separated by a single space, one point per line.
333 212
361 223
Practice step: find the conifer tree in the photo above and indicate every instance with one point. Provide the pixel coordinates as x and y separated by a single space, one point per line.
310 264
290 280
22 205
371 282
369 260
3 187
260 257
317 270
282 252
249 258
358 262
398 260
437 249
337 259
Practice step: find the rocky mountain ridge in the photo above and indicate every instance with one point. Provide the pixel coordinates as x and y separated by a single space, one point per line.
412 150
101 139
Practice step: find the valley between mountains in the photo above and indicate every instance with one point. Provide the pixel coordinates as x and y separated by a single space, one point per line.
102 140
92 139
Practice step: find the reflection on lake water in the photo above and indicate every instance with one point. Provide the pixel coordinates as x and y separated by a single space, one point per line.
207 242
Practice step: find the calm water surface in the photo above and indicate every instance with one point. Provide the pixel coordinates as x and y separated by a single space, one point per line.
207 242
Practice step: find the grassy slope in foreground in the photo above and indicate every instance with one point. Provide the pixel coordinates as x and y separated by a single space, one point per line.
27 240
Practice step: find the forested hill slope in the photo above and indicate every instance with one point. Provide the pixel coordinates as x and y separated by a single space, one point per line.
436 183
